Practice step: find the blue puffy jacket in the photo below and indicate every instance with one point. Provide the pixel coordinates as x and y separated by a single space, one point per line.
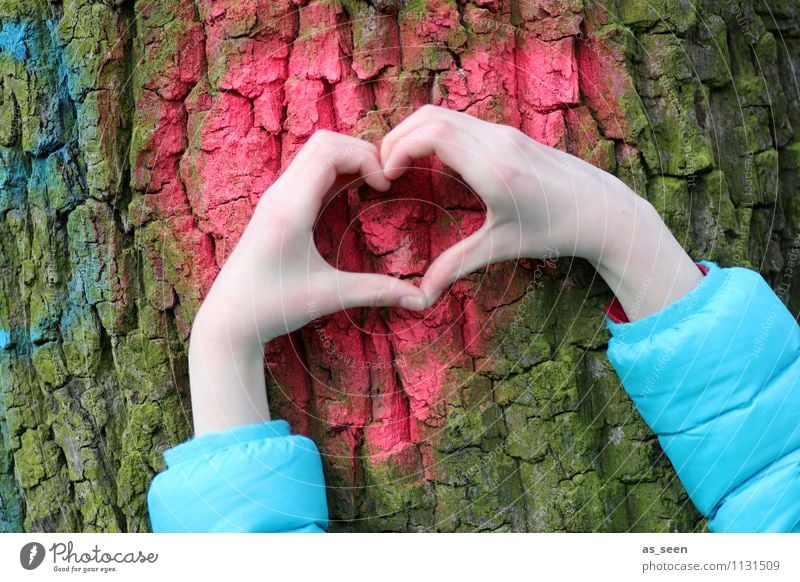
716 375
251 478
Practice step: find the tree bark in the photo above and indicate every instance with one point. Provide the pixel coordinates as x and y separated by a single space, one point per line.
136 138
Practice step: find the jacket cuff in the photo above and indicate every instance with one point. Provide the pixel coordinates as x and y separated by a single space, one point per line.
673 313
250 478
213 442
616 313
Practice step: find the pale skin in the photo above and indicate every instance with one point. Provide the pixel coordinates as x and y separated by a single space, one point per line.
540 202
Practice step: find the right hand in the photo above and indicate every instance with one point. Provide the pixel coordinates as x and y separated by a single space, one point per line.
275 281
541 202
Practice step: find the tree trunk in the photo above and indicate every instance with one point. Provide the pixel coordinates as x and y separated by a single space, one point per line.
136 137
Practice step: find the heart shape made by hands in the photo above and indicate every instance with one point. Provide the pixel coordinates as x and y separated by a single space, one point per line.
399 232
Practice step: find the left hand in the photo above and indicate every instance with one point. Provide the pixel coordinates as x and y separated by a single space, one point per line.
275 281
543 203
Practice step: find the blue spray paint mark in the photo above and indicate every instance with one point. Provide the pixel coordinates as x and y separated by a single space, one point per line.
5 338
32 41
12 39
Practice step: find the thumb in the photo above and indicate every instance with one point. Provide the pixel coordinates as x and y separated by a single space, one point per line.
373 290
464 257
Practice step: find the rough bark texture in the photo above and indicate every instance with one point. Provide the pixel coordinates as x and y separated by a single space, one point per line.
136 137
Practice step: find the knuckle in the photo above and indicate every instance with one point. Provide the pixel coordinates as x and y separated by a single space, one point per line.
315 138
321 135
377 298
508 136
508 170
513 134
505 166
322 139
439 129
434 111
509 161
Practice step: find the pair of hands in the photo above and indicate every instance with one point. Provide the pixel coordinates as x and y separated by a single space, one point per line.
539 200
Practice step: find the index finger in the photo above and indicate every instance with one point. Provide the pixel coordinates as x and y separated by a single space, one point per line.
315 169
457 149
439 119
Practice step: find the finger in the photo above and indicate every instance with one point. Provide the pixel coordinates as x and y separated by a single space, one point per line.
315 170
373 290
456 149
473 253
347 181
329 155
423 116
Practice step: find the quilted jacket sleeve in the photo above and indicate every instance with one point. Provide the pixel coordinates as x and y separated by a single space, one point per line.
716 375
252 478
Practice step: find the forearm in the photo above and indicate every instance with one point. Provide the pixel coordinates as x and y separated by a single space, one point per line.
226 378
641 261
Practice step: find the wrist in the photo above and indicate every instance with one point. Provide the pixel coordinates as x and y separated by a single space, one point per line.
226 378
643 264
214 328
603 219
631 224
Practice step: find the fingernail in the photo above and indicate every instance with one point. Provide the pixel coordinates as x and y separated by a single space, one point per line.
412 302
